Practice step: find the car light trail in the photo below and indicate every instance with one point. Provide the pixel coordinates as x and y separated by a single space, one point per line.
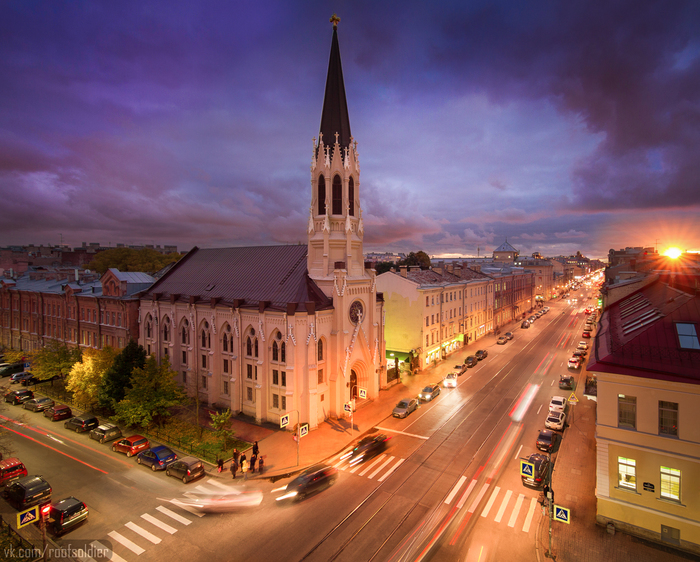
526 398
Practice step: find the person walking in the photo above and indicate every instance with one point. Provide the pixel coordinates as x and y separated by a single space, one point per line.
220 465
244 468
255 449
260 464
253 460
236 455
234 468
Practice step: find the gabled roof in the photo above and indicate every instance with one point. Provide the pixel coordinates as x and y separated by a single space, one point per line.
505 247
132 276
335 117
258 273
638 336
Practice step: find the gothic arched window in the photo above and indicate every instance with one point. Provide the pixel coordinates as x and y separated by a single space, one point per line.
351 196
320 350
321 195
337 196
275 351
185 333
283 353
256 346
249 346
166 329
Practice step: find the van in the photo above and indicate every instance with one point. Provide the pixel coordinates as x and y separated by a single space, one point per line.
27 492
66 514
106 432
11 469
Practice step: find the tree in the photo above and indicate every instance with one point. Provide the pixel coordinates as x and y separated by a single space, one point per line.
85 378
384 266
129 259
417 258
152 394
54 359
220 423
117 379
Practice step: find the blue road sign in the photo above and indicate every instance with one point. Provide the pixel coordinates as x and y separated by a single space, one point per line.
284 421
28 516
347 407
527 469
27 365
562 514
304 430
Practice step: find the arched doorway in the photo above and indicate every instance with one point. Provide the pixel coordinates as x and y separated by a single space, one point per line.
353 384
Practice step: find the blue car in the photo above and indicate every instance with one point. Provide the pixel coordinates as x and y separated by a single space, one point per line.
158 458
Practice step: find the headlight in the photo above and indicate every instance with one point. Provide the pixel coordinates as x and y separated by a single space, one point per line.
286 496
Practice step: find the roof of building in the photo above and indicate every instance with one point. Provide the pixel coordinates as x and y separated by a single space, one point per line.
638 336
335 117
505 247
276 274
132 276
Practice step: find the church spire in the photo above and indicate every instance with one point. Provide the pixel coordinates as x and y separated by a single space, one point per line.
335 118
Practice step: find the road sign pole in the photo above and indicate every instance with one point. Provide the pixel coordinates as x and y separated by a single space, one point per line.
549 553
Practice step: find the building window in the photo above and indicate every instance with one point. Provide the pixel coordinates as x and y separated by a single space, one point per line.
283 378
204 382
249 347
184 377
687 335
225 365
670 484
275 401
321 195
320 350
275 377
427 301
283 353
351 196
249 372
627 472
627 411
204 361
249 394
226 387
275 352
184 357
337 195
283 403
320 376
427 321
668 418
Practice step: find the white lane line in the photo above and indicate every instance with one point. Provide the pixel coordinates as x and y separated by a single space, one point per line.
516 510
380 467
466 493
108 552
143 532
158 523
502 509
371 466
476 501
518 453
530 513
454 491
403 433
392 469
490 502
538 409
173 515
121 539
218 484
186 507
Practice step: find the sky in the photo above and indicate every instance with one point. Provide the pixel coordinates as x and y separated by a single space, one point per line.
559 126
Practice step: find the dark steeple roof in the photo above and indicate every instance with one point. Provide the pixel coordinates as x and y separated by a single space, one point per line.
335 118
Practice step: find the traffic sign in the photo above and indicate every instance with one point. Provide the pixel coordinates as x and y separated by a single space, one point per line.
573 399
527 469
27 366
27 516
562 514
303 430
362 392
284 421
347 407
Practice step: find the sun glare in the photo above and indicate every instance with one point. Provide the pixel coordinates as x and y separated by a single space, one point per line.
673 253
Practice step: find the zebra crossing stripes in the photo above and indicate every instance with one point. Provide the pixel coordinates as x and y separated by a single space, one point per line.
121 539
173 515
502 509
371 468
158 523
143 532
516 510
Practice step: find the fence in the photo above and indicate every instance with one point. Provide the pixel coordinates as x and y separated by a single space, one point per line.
12 544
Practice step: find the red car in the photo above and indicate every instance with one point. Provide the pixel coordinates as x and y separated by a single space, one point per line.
131 445
586 334
59 412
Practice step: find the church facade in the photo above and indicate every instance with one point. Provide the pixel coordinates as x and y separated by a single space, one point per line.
275 330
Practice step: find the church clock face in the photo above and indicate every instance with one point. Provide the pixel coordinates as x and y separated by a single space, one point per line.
357 311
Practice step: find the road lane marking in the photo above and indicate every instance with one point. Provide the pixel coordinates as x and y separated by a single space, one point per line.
530 513
121 539
403 433
502 509
392 469
218 484
368 468
466 493
456 488
518 453
143 532
516 510
380 468
158 523
476 501
111 555
173 515
186 507
492 499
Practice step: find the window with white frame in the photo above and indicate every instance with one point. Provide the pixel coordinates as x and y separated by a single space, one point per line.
627 472
687 335
670 484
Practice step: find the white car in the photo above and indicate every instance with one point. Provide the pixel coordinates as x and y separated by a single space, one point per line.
555 420
450 380
574 363
582 345
557 404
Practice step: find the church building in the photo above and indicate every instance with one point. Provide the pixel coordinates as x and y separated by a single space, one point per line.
272 330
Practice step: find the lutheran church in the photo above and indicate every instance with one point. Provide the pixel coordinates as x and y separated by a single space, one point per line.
271 330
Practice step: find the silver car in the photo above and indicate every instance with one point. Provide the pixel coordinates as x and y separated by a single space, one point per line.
405 407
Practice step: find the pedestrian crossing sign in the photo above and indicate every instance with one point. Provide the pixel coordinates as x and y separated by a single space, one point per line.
527 469
304 430
562 514
573 399
362 393
28 516
284 421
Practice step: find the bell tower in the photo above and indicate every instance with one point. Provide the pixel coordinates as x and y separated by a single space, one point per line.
335 229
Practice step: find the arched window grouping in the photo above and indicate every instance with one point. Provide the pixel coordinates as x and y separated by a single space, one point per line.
337 195
351 196
205 336
321 195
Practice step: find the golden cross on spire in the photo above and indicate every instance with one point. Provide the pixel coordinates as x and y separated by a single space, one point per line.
335 20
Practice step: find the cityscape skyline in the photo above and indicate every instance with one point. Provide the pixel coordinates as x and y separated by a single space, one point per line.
562 129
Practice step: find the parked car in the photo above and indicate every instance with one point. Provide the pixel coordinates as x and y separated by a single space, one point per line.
581 353
10 369
525 324
312 480
566 382
11 469
429 392
106 432
19 377
38 404
481 354
471 361
586 334
186 469
557 404
131 445
28 381
158 458
555 420
459 369
509 335
546 440
502 340
574 363
66 514
450 380
541 472
582 345
81 424
367 447
27 491
19 396
405 407
58 412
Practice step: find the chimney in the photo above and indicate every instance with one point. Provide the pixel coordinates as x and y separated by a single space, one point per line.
404 270
438 268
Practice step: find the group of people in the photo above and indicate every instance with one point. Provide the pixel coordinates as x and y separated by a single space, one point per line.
240 461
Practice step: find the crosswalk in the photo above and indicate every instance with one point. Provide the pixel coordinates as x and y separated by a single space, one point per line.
150 529
381 467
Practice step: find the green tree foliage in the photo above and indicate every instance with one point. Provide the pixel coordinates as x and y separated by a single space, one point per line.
85 378
221 424
117 379
384 266
54 359
417 258
152 394
129 259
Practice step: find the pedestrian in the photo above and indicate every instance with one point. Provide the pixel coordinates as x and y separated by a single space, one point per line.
234 468
253 460
236 455
255 449
260 464
244 468
220 465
